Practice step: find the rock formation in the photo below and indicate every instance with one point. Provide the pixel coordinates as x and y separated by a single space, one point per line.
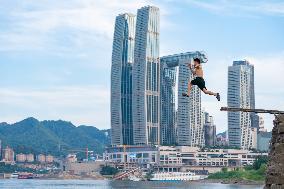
275 167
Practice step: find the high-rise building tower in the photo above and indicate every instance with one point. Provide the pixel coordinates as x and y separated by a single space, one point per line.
146 71
241 95
168 105
121 80
188 123
209 130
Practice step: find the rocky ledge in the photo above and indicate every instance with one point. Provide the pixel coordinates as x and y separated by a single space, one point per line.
275 168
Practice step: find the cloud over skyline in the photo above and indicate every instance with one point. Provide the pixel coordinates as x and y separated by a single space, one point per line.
55 56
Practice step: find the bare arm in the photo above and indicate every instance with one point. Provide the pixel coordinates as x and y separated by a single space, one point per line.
191 69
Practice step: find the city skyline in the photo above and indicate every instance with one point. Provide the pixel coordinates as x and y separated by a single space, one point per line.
55 68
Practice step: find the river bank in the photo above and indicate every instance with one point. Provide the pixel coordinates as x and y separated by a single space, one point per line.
231 181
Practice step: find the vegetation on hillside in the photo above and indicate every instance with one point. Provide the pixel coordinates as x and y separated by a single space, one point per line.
51 137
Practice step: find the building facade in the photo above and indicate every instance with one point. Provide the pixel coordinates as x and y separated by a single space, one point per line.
261 125
21 157
41 158
263 140
179 158
240 95
8 155
128 157
49 159
146 84
178 111
209 130
121 80
30 158
168 103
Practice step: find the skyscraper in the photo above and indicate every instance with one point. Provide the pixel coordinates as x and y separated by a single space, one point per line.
188 122
168 103
146 84
240 95
121 80
209 130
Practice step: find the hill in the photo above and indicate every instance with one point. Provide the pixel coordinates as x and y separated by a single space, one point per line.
52 137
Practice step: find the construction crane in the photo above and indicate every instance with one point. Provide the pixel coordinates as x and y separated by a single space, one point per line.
230 109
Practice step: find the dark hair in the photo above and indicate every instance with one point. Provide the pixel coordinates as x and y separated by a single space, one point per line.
197 60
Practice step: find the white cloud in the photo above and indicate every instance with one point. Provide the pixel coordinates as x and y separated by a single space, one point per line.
240 8
78 104
35 24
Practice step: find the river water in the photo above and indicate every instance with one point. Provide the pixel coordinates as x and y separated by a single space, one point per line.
104 184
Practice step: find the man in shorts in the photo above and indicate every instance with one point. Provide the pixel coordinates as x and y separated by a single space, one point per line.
197 71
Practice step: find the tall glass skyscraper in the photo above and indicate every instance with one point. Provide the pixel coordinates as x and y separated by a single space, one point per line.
168 103
240 95
121 80
188 117
209 129
146 84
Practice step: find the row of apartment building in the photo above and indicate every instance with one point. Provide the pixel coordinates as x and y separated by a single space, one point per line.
8 156
179 158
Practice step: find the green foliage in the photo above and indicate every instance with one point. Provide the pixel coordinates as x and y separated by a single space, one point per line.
245 174
224 169
108 170
8 168
262 169
51 137
259 161
248 167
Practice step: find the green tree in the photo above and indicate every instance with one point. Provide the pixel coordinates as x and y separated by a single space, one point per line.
108 170
259 161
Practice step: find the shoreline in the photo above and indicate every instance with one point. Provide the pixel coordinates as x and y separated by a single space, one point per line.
231 181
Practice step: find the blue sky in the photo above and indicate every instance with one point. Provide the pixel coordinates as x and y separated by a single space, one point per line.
55 55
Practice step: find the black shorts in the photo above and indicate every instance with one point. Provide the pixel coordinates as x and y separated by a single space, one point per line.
199 81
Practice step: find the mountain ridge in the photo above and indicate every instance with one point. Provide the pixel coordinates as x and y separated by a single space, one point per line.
54 137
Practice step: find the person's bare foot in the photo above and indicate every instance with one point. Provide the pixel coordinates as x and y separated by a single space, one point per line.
185 94
218 96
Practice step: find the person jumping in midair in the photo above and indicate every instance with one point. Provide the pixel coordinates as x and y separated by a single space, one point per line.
196 70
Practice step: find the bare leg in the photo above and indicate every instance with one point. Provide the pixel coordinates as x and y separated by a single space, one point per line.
209 92
189 86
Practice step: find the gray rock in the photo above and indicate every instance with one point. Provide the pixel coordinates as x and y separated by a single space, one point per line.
275 167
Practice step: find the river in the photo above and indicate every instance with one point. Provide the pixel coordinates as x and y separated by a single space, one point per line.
104 184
